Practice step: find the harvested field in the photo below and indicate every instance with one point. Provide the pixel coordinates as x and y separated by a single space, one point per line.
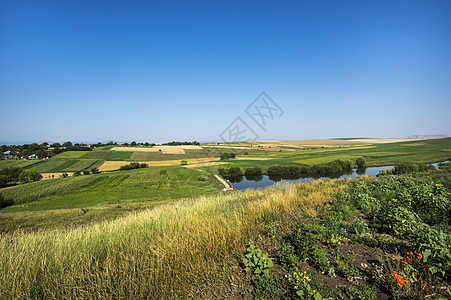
55 175
164 149
206 164
191 147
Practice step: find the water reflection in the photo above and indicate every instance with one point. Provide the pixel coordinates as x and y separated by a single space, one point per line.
258 182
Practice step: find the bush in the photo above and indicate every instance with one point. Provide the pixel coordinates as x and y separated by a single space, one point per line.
227 155
86 172
231 172
411 168
29 176
9 175
184 162
360 162
95 171
5 202
253 172
133 165
76 173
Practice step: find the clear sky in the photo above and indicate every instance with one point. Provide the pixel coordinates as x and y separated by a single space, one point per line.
184 70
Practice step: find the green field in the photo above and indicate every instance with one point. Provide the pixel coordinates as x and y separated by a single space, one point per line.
147 184
336 239
120 155
81 164
52 165
70 154
17 163
425 151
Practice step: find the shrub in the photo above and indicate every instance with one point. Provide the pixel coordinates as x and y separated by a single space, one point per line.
184 162
227 155
95 171
253 172
5 202
360 162
77 173
9 175
132 166
86 172
27 176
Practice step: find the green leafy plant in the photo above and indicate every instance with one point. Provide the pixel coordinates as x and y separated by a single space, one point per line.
255 261
271 228
321 261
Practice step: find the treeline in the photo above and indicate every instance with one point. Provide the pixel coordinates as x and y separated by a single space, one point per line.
175 143
13 175
41 150
132 166
334 167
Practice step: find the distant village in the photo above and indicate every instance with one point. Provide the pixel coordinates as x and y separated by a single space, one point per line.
14 155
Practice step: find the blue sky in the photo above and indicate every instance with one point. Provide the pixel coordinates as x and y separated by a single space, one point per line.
184 70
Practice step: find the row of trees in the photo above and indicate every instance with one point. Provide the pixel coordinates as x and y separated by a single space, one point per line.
132 166
176 143
293 171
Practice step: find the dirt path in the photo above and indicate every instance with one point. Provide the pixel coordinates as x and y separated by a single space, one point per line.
227 186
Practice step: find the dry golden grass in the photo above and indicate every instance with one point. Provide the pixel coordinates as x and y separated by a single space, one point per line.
191 147
206 164
170 252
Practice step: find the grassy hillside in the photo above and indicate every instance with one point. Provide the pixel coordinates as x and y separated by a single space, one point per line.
348 239
55 203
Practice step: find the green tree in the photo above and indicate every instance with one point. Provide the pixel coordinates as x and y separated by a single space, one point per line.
184 162
95 171
67 144
41 153
360 162
29 176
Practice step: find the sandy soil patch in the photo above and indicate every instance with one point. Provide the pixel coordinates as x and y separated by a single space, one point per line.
55 175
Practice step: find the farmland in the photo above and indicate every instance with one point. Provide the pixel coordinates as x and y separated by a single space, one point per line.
348 237
331 239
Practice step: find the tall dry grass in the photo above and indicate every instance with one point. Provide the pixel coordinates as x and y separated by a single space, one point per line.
169 252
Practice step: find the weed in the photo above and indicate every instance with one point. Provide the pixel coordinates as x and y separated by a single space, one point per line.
255 261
